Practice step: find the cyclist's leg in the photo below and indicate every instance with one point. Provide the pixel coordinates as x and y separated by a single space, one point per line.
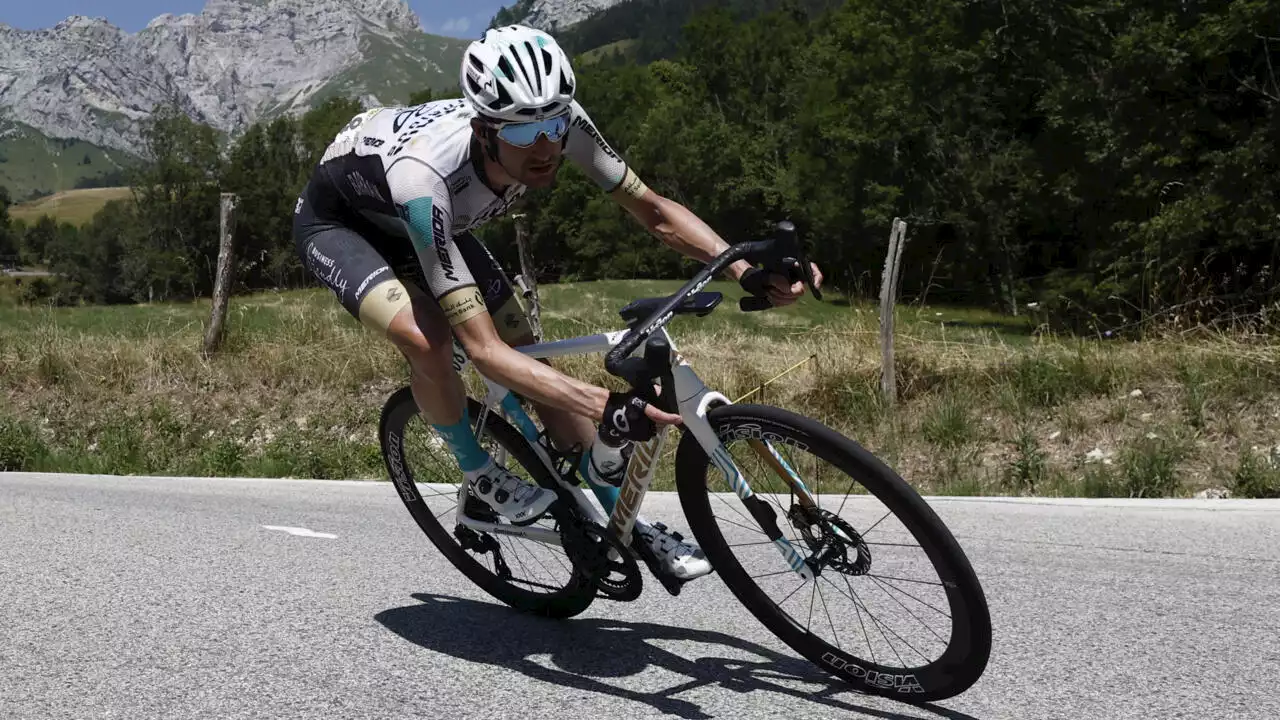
566 429
370 288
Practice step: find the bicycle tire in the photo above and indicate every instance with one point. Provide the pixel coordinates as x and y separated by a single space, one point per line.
969 647
399 409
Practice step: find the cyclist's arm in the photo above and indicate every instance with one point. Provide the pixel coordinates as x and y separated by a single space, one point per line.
423 202
674 224
668 220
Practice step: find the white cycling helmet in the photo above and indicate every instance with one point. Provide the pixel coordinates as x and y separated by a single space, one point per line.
517 73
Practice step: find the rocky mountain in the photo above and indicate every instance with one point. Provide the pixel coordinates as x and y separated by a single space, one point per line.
236 62
551 15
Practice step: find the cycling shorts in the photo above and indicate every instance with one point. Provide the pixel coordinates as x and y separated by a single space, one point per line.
376 275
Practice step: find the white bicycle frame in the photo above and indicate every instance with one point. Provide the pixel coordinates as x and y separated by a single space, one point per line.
694 400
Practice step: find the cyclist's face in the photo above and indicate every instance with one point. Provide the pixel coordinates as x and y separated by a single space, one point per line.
534 166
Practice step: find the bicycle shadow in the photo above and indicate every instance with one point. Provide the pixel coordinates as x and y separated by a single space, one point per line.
584 652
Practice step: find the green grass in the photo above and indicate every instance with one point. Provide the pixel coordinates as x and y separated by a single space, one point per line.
73 206
31 162
985 406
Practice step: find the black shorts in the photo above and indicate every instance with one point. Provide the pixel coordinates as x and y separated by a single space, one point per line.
375 275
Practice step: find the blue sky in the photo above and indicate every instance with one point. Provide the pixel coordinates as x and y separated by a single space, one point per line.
458 18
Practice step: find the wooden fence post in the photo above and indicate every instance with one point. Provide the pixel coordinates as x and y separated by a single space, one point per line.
527 281
223 279
888 298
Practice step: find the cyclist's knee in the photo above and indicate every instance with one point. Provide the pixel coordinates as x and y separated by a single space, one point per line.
421 333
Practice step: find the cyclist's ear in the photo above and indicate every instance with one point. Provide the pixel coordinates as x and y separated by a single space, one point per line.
487 136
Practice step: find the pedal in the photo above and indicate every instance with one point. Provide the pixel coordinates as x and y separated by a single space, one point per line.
670 583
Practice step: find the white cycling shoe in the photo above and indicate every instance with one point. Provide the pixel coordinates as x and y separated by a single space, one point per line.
682 559
514 499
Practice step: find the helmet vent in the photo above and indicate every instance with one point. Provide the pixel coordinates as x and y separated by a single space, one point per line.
520 64
546 58
505 66
533 62
566 87
504 98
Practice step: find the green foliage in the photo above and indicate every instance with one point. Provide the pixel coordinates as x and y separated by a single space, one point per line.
1028 469
1257 477
1149 466
20 446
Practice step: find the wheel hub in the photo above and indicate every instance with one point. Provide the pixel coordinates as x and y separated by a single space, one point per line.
832 541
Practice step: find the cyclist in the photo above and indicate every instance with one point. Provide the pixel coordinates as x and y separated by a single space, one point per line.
385 223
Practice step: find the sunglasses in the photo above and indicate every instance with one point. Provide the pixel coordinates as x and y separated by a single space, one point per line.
525 134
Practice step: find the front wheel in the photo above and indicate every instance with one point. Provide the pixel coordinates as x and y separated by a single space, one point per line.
894 606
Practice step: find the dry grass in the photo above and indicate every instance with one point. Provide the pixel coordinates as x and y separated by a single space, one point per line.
985 405
73 206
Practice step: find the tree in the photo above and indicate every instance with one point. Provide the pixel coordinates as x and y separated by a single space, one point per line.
8 241
176 192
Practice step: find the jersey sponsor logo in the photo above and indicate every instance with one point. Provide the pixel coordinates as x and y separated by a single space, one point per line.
413 120
462 304
461 183
298 208
374 142
364 187
372 275
632 185
585 126
441 241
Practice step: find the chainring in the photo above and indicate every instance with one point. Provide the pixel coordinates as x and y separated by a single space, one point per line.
589 546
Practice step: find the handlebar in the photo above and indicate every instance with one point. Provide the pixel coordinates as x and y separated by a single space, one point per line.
781 253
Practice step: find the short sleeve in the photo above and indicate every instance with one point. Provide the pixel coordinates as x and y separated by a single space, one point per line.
423 202
587 149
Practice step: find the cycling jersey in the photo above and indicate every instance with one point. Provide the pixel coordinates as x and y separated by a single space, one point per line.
410 180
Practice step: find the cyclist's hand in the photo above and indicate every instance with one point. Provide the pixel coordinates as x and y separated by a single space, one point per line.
775 286
629 416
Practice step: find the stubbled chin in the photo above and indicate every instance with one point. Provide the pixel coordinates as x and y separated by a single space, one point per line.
540 179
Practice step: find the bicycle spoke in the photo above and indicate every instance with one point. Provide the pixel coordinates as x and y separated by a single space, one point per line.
828 612
812 594
879 625
793 592
857 610
765 575
888 577
913 597
744 527
873 527
882 626
913 615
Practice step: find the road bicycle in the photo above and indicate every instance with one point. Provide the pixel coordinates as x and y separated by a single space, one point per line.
819 571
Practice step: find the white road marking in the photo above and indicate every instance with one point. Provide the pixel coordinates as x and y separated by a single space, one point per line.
301 532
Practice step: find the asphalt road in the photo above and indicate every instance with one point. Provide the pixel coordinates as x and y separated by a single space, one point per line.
175 598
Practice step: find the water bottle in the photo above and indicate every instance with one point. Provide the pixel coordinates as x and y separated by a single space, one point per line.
607 463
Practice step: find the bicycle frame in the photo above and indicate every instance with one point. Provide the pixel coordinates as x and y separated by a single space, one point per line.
694 400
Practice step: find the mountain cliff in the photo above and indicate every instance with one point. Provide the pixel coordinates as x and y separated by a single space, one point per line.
236 62
551 15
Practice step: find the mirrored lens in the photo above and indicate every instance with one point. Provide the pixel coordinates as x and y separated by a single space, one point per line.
526 134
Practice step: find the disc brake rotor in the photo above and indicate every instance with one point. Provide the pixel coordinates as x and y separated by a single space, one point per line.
832 541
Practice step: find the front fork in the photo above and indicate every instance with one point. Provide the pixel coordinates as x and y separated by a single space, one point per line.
698 405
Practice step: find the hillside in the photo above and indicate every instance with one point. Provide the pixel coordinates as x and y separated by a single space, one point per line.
32 164
73 206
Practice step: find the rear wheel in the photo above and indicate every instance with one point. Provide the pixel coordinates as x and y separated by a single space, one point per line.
895 607
528 575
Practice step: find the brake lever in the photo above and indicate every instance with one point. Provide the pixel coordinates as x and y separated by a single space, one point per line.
792 264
